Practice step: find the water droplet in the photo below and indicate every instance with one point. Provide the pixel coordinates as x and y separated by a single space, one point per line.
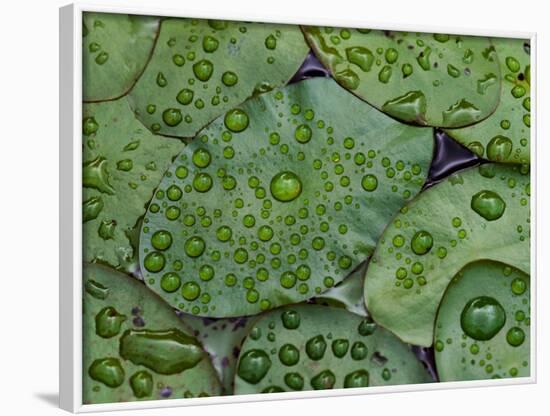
315 347
422 242
461 113
499 148
224 233
347 78
286 186
108 371
91 208
203 69
89 126
165 352
154 262
108 322
253 366
101 58
359 378
324 380
385 74
161 240
229 78
236 120
359 351
410 107
270 42
185 96
202 182
194 246
423 58
369 182
142 384
302 134
289 355
210 44
94 175
515 336
190 291
482 318
512 64
291 319
170 282
519 286
294 380
172 117
488 204
201 158
362 57
96 289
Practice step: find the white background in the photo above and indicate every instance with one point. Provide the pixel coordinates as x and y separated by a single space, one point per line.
29 201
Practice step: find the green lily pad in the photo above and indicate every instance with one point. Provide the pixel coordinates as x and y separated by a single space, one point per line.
122 164
200 69
135 347
278 200
312 347
115 50
222 339
347 294
427 79
505 135
483 325
480 213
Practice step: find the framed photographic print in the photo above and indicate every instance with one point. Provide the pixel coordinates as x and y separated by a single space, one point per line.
271 210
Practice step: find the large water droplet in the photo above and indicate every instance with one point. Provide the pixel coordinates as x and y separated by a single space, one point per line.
142 384
294 380
482 318
164 352
359 378
422 242
324 380
499 148
291 319
108 371
253 366
154 262
203 69
515 336
194 246
410 107
286 186
108 322
488 204
362 57
236 120
315 347
289 355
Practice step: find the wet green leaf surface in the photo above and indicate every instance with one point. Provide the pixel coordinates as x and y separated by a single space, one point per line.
505 135
115 50
481 213
312 347
483 325
427 79
278 200
200 69
136 348
122 165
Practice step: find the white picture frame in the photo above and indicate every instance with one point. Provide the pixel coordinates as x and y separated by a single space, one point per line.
70 261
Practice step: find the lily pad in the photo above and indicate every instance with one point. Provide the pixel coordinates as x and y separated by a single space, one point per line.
115 50
200 69
505 135
483 325
427 79
480 213
135 347
278 200
312 347
222 339
123 163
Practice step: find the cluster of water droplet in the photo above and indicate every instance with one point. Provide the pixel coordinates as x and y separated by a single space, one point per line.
266 218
